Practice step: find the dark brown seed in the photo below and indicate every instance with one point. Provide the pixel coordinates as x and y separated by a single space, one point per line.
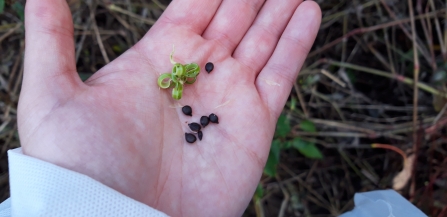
195 127
187 110
204 120
209 67
190 138
200 134
214 118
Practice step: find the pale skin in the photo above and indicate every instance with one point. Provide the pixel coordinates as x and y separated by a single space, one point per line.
120 129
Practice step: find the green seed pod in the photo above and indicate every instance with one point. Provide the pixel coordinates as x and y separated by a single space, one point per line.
178 70
192 70
177 91
164 81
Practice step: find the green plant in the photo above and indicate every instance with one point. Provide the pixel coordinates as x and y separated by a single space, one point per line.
179 76
20 10
2 6
281 141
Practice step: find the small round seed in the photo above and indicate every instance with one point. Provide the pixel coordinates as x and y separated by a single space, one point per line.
187 110
214 118
209 67
200 134
204 120
190 138
195 127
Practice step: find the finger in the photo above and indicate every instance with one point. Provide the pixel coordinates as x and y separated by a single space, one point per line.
259 43
192 14
277 77
231 22
49 53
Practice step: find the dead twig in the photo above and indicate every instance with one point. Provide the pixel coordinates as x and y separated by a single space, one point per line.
130 14
415 95
371 29
10 32
400 78
98 36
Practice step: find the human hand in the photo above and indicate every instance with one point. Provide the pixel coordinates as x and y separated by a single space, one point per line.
119 128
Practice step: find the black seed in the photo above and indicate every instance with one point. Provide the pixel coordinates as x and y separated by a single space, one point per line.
190 138
200 135
209 67
204 120
214 118
195 127
187 110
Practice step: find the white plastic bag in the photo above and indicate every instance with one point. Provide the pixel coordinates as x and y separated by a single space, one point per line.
382 203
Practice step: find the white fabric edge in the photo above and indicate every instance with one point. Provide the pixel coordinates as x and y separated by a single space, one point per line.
39 188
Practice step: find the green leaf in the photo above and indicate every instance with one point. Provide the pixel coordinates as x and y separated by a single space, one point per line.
308 126
307 149
273 159
2 6
311 79
351 76
282 126
259 193
20 10
83 76
287 144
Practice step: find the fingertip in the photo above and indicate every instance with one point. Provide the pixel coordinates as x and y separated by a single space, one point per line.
312 9
49 43
276 79
42 12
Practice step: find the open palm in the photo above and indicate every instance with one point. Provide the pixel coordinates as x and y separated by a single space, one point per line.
119 128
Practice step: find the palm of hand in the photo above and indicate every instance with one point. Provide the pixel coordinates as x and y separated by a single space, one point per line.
122 130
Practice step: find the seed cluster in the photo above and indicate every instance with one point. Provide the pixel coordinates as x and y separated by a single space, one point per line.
196 127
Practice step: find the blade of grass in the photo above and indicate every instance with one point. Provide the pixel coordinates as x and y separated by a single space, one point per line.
415 93
400 78
370 29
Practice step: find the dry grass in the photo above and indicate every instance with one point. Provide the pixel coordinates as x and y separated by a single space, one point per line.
358 87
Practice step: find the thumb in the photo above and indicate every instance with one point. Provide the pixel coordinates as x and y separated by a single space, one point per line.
50 68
